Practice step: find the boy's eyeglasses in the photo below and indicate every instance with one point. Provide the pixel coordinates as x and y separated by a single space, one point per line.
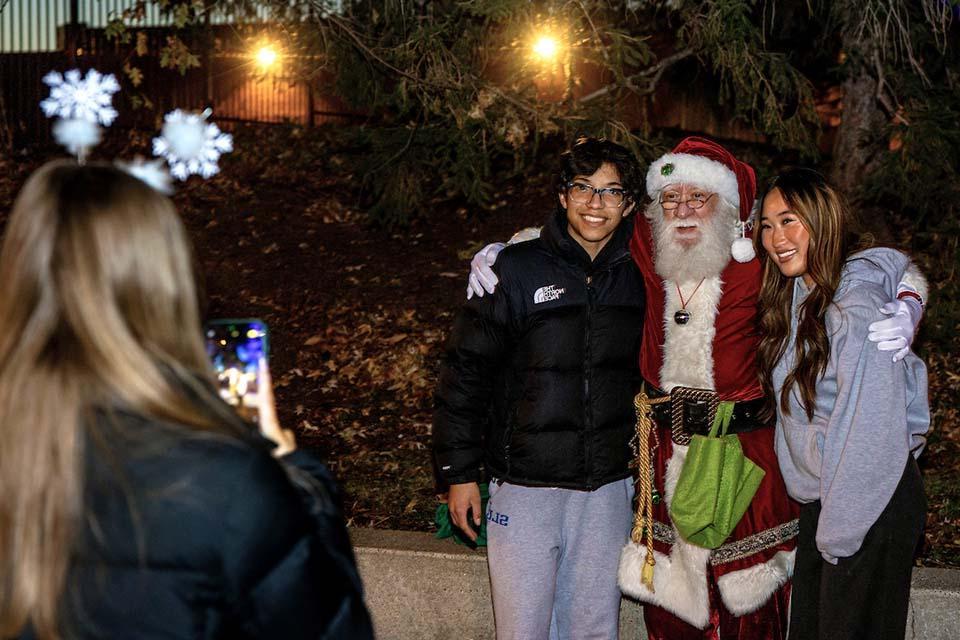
583 194
670 201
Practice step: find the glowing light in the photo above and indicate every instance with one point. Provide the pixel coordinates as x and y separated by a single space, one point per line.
546 48
266 57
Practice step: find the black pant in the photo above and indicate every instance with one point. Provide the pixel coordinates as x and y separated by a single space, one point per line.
865 596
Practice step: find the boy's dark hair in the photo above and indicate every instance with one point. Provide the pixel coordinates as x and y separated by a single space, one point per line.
586 156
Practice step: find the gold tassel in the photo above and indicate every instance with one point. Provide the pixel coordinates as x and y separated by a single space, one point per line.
646 576
643 518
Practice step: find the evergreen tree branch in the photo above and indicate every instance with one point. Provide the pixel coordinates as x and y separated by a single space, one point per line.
398 154
370 53
595 31
651 78
894 111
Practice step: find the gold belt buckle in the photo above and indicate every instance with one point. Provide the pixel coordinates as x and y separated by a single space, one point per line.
679 397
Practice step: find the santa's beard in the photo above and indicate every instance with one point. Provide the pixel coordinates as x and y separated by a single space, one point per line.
704 259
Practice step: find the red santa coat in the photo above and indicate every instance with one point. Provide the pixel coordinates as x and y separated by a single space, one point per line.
757 559
735 374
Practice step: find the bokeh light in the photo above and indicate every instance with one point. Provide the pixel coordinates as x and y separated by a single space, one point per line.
546 48
266 57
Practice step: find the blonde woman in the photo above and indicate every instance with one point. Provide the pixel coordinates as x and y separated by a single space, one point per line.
850 422
135 504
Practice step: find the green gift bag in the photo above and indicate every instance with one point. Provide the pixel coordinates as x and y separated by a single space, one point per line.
445 528
715 486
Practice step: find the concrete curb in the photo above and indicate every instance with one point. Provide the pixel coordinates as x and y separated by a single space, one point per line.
421 588
418 587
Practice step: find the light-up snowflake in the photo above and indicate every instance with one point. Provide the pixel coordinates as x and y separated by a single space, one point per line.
73 97
191 144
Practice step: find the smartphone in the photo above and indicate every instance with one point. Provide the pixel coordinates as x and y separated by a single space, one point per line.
235 347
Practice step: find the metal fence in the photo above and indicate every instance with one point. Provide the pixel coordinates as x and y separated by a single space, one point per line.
34 25
37 36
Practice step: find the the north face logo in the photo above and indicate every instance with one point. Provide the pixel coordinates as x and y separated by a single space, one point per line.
547 294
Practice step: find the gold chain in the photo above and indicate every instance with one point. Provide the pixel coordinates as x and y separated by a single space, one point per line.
643 517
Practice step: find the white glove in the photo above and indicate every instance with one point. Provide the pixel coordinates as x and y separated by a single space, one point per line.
482 278
896 332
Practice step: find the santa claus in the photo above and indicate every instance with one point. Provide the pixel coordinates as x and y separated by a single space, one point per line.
699 348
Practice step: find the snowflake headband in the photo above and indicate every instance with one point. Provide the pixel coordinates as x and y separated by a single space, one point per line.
189 143
82 104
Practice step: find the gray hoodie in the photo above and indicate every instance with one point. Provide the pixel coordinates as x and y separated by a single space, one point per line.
870 413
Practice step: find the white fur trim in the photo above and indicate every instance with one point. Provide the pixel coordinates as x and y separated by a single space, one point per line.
693 170
914 280
671 475
680 580
688 348
747 590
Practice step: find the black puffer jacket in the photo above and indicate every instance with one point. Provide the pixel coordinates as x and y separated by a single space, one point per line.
207 537
539 378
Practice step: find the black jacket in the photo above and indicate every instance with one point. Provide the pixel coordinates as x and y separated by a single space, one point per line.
200 536
539 378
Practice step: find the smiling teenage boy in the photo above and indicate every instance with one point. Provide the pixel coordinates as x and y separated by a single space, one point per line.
536 394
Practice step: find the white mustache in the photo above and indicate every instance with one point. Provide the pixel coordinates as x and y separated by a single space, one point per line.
683 224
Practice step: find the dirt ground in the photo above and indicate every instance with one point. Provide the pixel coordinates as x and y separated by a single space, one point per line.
358 316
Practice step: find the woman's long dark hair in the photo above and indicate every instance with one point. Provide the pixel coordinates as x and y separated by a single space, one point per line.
835 233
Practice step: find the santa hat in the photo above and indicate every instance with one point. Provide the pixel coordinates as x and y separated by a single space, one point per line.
704 163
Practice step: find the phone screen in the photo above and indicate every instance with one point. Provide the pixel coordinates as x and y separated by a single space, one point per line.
235 348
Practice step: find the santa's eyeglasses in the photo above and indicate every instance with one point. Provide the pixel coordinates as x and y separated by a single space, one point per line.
672 200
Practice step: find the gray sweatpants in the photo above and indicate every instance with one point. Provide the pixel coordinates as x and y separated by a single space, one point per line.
553 556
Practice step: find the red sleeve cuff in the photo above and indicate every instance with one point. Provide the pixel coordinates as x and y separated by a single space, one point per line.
910 294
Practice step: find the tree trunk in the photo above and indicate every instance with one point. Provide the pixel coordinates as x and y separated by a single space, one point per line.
855 152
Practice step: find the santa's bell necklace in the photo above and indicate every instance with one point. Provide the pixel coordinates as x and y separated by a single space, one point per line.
682 316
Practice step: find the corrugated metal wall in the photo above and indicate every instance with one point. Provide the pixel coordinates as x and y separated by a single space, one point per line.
36 37
30 26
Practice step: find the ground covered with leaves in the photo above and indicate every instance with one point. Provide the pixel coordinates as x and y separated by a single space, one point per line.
358 315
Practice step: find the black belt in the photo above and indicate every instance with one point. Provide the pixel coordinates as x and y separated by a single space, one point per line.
697 412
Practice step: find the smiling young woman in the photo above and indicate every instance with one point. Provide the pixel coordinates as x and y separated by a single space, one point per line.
850 422
784 236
